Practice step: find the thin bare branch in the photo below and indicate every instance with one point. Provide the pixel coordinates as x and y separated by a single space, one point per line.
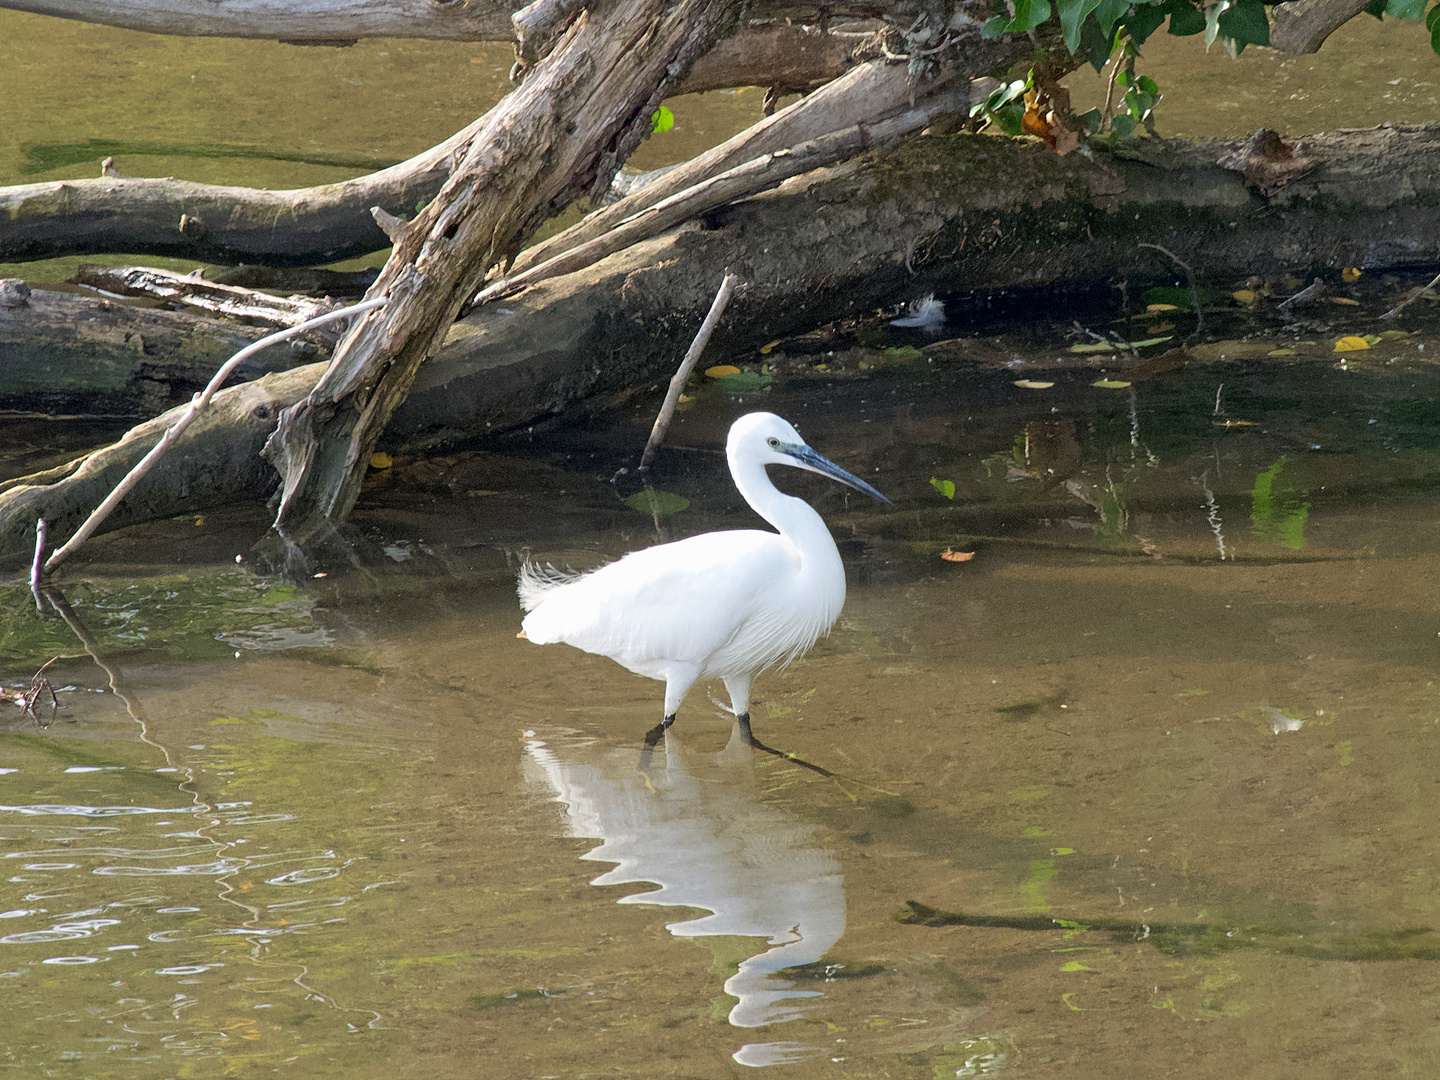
682 375
201 400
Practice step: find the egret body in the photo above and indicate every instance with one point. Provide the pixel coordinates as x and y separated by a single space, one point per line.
719 605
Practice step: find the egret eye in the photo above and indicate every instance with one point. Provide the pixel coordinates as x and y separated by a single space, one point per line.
773 441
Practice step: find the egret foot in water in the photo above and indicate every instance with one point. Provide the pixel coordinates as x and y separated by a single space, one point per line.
719 605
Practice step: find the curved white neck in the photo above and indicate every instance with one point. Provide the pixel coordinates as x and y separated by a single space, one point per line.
795 519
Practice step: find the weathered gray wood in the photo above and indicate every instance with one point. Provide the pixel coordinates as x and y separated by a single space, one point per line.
201 295
175 432
563 132
72 352
305 226
1301 26
739 182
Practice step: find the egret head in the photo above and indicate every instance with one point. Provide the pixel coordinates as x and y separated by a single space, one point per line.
766 438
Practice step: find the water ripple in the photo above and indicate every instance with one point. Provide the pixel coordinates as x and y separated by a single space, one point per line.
216 868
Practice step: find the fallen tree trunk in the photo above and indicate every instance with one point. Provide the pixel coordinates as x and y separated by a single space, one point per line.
70 352
962 212
306 226
561 134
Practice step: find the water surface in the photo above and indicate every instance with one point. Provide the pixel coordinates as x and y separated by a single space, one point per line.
1182 801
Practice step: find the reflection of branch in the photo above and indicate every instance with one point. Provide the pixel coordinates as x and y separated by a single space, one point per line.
117 684
1192 938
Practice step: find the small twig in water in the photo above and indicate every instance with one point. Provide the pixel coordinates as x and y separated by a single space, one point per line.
1313 291
1189 277
26 700
677 384
1218 391
1410 299
199 402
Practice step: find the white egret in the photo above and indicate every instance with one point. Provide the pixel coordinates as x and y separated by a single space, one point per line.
720 605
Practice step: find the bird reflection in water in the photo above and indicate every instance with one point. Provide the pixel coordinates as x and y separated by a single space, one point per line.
697 828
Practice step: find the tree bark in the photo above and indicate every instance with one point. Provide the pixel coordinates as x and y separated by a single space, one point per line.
70 352
562 133
1301 26
961 212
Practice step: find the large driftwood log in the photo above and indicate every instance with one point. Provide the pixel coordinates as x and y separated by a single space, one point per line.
561 134
68 352
961 212
305 226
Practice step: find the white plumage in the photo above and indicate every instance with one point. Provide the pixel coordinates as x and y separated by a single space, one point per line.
719 605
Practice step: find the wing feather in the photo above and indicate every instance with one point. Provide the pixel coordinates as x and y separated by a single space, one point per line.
679 602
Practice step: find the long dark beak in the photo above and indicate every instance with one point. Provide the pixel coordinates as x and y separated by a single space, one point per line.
806 458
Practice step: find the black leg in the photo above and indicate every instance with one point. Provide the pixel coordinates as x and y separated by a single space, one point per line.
669 720
744 721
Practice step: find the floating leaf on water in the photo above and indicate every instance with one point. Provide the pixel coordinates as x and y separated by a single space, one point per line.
1351 344
381 461
1033 384
950 555
1344 300
1350 273
945 487
1281 352
662 120
651 501
745 380
902 352
1110 384
1162 307
1074 965
719 371
766 349
1393 335
1245 296
200 520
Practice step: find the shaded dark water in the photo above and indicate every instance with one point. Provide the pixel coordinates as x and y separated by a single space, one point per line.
352 823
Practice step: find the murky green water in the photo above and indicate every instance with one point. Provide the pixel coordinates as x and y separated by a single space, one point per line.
354 824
